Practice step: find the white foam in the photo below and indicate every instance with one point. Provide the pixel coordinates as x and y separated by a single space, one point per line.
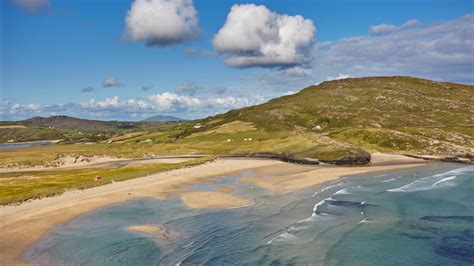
366 221
425 183
282 238
447 179
433 182
316 206
344 191
457 171
351 190
328 188
316 216
389 180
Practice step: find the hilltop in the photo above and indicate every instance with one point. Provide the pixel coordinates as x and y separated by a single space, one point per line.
341 121
68 122
69 129
162 118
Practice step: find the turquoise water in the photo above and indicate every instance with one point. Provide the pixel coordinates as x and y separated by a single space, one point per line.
420 216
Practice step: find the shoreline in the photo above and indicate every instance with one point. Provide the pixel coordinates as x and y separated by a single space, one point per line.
51 141
19 223
20 227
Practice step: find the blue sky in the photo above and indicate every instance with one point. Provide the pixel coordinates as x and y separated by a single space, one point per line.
57 55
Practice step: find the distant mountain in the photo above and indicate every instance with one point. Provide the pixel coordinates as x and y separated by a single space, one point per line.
67 122
163 118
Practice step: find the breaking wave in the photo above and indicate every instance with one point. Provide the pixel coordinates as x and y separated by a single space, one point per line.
433 182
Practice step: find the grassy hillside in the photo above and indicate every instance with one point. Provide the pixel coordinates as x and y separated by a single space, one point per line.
341 120
70 129
67 122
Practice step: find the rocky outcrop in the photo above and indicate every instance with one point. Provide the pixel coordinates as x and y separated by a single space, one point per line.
351 160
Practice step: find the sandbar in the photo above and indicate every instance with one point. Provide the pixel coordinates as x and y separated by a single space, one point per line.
213 200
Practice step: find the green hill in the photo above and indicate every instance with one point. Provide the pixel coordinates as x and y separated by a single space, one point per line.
340 121
346 118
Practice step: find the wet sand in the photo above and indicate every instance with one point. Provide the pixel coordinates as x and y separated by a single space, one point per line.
213 200
24 224
322 174
151 229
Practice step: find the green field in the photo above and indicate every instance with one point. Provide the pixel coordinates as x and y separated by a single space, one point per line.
17 187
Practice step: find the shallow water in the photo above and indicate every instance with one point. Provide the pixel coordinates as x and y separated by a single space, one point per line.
11 146
423 215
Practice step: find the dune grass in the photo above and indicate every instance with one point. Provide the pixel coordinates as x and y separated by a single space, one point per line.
17 187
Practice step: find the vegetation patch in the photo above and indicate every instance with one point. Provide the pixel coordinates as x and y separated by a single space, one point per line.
20 186
228 128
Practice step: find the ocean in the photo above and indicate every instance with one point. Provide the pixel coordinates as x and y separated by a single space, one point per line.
418 216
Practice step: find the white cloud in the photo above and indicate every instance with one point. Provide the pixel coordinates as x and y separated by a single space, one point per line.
108 102
116 108
340 76
387 28
254 36
171 101
296 72
161 22
442 51
110 81
32 5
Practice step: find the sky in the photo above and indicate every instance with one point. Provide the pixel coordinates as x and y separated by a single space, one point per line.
129 60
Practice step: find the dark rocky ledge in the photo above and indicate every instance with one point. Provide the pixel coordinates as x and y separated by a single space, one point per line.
468 159
351 160
283 158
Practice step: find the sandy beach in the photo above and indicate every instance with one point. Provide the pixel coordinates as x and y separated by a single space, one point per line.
24 224
291 182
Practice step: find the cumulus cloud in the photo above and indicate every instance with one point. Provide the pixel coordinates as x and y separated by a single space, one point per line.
387 28
442 51
88 89
189 88
254 36
32 6
161 22
117 108
110 81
